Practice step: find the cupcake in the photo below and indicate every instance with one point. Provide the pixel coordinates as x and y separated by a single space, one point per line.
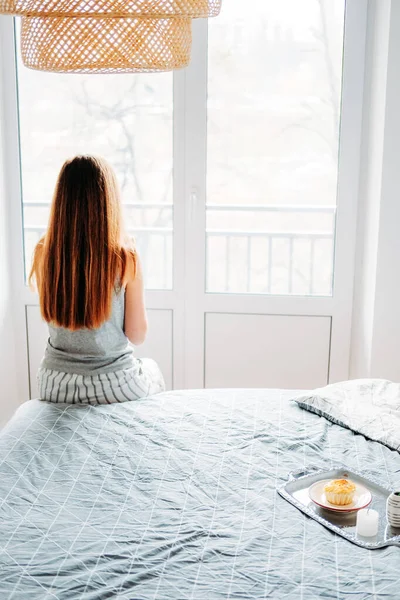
340 492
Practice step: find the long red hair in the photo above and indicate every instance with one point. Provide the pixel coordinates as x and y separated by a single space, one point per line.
83 255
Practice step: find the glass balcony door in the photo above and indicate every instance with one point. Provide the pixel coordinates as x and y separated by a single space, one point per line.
273 130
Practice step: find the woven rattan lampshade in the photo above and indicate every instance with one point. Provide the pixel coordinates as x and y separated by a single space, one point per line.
101 45
114 8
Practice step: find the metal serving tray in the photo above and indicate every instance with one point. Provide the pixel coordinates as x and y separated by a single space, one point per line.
296 489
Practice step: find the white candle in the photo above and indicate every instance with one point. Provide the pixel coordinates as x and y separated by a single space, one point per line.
367 522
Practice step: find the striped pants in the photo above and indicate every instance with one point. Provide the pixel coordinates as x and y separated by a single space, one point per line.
144 379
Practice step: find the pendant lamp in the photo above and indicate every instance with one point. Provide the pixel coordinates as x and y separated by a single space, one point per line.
105 45
107 36
112 8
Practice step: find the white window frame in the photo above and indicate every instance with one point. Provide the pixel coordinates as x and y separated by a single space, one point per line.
339 306
188 299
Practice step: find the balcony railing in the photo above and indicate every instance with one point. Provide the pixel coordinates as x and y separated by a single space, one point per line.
155 243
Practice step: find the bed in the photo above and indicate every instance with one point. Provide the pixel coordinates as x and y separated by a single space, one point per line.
174 497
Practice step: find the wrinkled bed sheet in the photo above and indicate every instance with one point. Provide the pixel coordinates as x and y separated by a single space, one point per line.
174 497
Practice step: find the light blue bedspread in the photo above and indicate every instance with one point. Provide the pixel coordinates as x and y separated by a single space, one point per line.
174 497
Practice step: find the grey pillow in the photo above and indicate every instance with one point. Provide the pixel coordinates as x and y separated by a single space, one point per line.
367 406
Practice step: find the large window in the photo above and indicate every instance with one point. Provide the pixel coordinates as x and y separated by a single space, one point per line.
239 179
274 104
274 89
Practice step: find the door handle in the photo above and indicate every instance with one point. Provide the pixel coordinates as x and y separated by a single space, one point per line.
192 205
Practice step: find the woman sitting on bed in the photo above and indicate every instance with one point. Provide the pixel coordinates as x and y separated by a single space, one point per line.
90 285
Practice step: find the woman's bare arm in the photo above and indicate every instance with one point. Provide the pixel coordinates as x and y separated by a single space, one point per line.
135 325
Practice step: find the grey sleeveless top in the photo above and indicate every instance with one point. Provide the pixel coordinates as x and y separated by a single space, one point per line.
91 351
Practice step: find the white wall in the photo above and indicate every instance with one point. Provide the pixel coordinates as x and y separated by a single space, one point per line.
376 319
8 379
8 373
